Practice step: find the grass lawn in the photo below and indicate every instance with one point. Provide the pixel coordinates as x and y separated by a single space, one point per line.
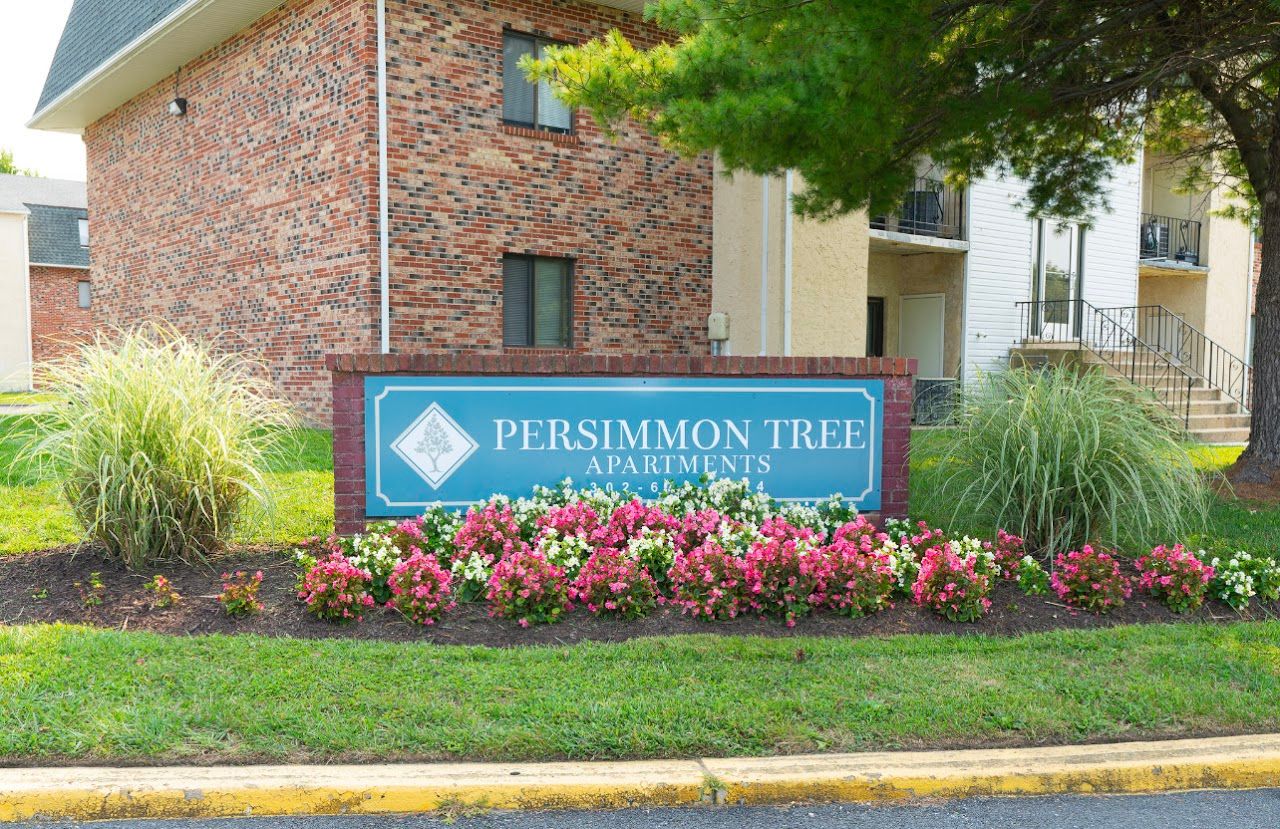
25 398
33 516
76 693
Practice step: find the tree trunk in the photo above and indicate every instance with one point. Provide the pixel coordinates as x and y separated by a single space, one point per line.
1260 462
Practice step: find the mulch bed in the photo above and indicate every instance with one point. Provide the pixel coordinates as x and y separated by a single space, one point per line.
38 587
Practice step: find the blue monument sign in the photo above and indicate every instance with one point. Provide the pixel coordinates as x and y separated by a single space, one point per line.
457 440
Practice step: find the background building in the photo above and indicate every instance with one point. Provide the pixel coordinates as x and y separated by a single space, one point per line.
45 296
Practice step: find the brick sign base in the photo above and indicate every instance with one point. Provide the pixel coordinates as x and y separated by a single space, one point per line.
349 370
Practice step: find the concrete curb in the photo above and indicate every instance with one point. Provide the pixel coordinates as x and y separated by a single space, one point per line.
227 791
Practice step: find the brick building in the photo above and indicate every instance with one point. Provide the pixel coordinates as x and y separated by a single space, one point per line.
44 274
241 196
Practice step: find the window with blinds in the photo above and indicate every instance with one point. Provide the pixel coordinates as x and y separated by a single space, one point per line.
537 301
525 104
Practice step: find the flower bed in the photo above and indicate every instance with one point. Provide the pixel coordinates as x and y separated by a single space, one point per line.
721 557
717 551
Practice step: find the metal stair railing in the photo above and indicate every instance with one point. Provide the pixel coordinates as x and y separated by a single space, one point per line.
1112 342
1187 346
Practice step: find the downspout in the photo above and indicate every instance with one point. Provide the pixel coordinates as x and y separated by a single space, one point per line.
764 267
384 223
786 272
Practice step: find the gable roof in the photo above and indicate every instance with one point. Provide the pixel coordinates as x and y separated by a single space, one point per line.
53 207
96 30
18 191
53 236
113 49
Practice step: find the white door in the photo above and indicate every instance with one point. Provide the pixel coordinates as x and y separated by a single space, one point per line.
920 324
1057 277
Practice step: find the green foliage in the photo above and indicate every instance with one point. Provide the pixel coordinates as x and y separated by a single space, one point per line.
1065 458
851 95
8 167
159 443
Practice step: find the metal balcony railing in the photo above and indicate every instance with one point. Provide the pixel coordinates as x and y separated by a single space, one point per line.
1187 347
1168 238
1115 343
929 208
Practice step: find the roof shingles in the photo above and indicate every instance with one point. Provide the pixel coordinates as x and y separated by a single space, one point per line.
96 30
53 236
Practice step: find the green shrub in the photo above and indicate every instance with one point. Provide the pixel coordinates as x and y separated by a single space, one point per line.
158 442
1064 458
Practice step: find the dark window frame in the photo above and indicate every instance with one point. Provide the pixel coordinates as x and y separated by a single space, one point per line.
876 349
537 40
531 321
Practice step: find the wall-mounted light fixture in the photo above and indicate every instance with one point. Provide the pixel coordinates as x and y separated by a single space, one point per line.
178 106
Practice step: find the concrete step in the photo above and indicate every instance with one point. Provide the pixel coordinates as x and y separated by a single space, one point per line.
1213 436
1214 407
1200 422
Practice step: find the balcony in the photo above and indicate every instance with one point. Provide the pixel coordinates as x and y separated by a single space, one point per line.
930 208
1167 239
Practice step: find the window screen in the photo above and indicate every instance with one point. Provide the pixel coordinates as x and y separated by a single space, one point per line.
537 301
527 104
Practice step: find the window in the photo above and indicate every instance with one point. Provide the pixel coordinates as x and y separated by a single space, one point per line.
523 103
537 301
84 232
875 326
82 292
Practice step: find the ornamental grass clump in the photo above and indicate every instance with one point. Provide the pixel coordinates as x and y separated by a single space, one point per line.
709 583
614 584
336 590
1174 576
421 590
1064 457
158 442
1090 580
952 585
529 589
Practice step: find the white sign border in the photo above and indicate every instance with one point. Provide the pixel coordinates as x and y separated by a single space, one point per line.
377 425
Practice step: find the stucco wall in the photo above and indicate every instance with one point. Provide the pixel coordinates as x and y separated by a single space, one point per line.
15 341
1226 313
893 276
828 272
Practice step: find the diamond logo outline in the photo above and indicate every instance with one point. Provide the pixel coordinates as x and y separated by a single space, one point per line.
435 477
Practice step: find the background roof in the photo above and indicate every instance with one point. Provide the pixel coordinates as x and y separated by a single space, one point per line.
53 236
17 191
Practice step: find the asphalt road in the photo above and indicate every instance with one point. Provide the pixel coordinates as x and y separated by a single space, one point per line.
1237 810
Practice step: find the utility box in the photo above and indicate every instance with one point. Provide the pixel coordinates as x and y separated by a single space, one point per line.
718 326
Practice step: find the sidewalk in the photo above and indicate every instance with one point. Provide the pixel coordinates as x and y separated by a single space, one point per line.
226 791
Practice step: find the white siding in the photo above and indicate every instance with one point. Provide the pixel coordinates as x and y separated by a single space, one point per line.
999 262
1111 243
999 272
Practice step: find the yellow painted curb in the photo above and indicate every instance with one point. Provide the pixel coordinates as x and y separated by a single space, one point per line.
226 791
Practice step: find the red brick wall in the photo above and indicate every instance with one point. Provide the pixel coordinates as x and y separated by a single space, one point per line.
636 219
57 320
349 372
252 220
